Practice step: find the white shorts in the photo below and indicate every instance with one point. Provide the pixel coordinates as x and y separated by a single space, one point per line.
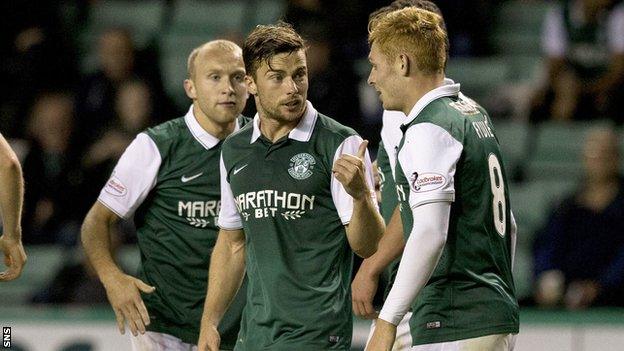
497 342
152 341
403 340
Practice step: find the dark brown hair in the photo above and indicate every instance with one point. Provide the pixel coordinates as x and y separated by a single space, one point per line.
266 41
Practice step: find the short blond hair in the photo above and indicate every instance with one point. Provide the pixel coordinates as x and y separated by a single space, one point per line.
225 45
413 31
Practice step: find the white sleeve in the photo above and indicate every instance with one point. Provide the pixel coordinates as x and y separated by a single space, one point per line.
133 177
615 29
420 257
554 38
428 158
342 200
229 218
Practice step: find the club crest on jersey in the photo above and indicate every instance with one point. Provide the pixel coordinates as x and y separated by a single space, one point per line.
426 182
301 166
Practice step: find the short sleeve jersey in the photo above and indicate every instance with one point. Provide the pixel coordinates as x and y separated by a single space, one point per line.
293 212
449 152
169 179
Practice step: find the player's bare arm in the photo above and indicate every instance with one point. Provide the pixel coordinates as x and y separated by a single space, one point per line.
11 199
226 272
366 225
364 285
123 291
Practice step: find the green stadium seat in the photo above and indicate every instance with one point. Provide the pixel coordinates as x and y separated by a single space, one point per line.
520 15
43 263
516 43
518 27
512 136
478 76
129 258
558 149
523 272
532 203
267 11
208 17
174 50
174 73
143 18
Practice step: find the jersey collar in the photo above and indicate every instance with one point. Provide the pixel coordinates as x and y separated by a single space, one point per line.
206 139
449 88
302 132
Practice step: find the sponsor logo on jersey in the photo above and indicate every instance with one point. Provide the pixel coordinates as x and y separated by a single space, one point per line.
434 325
301 166
236 170
199 214
426 181
465 106
185 179
271 203
115 187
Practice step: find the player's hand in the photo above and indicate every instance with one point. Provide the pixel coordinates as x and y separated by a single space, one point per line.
383 337
14 258
350 172
123 293
209 339
363 289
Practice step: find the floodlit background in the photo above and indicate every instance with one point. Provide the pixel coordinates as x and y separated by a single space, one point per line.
81 78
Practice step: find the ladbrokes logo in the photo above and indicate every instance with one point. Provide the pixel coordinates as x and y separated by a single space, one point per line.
115 187
426 182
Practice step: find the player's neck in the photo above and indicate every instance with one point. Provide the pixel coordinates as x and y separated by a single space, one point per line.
275 128
422 85
217 130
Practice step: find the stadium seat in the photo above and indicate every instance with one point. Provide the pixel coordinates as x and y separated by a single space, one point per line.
43 263
558 148
266 12
512 136
518 27
208 17
532 202
478 77
143 18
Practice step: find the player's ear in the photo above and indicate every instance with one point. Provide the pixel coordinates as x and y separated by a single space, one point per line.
403 64
251 85
189 88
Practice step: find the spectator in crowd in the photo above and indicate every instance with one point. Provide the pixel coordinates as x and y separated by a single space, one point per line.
35 55
51 173
134 111
583 42
579 256
119 62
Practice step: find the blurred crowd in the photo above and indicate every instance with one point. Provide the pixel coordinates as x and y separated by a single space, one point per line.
69 126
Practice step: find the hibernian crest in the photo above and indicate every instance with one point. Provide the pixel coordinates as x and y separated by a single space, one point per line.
301 166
